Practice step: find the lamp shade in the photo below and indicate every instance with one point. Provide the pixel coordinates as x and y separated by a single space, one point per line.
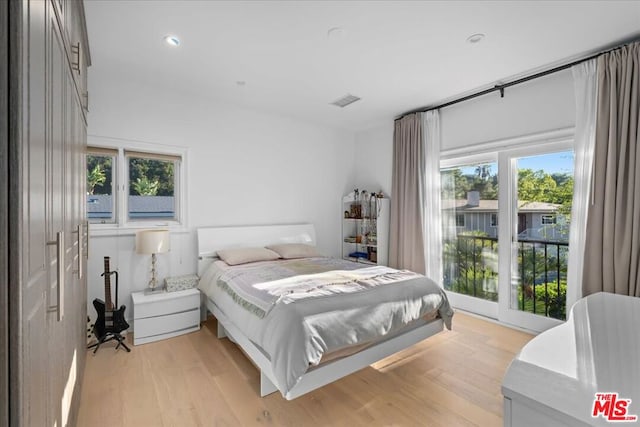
152 241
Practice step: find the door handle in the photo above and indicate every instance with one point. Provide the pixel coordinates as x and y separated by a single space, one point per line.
59 307
80 241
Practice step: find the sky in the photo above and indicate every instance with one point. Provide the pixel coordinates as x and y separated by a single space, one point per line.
551 163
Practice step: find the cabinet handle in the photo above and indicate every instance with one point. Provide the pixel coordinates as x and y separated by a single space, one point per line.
59 308
80 241
86 226
75 50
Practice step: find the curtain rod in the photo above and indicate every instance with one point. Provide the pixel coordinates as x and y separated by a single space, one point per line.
501 87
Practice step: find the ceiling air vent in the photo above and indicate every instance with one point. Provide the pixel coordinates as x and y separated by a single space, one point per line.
345 100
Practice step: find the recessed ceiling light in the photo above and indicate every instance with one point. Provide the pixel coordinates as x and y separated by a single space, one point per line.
241 83
172 40
475 38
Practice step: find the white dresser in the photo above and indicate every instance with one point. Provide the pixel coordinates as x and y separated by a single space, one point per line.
165 315
555 378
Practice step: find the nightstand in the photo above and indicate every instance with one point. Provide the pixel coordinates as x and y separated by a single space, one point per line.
164 315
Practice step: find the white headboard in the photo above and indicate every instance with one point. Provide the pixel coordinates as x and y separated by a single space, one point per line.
213 239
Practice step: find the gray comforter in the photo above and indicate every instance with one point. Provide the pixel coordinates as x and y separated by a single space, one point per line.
296 332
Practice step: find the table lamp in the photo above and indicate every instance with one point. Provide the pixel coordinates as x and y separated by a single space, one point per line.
153 242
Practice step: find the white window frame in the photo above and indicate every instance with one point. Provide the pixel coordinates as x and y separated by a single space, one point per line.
464 220
121 181
548 219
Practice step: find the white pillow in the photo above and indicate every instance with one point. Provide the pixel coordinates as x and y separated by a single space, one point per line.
245 255
294 250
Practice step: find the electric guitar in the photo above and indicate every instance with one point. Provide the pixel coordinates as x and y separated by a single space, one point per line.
109 321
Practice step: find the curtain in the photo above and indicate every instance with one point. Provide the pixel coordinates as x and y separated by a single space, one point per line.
612 246
432 219
406 238
585 85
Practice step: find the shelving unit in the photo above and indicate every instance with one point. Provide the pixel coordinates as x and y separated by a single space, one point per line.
365 229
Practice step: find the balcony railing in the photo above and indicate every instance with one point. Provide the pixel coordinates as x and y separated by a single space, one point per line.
471 268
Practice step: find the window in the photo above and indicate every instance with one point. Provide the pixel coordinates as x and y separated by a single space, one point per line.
460 220
131 186
548 219
151 186
494 220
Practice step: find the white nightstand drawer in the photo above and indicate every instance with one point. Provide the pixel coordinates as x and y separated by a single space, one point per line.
164 315
164 303
161 327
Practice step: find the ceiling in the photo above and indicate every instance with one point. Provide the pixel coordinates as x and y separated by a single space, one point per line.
397 56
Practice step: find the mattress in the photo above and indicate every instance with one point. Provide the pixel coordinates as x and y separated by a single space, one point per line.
303 333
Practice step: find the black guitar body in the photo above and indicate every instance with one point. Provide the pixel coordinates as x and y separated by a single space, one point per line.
108 321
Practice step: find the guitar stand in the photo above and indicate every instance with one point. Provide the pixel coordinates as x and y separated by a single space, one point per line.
109 337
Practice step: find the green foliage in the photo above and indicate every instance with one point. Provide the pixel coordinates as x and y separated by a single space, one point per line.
146 176
546 298
151 177
145 187
468 265
540 186
95 177
99 174
533 186
456 185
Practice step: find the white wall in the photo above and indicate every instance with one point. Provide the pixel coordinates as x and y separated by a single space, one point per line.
539 105
374 158
536 106
244 167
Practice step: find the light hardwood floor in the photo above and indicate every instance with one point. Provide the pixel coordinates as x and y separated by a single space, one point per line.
451 379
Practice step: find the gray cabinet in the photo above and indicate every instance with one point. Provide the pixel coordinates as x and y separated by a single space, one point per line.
47 289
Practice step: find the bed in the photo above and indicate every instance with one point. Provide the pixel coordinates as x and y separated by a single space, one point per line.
346 316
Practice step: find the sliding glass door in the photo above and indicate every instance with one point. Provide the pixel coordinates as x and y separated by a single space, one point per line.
538 210
505 223
470 233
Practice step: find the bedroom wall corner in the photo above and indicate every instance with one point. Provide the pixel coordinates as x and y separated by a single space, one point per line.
373 158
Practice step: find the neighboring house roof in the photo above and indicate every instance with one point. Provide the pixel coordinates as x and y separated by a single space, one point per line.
461 205
100 204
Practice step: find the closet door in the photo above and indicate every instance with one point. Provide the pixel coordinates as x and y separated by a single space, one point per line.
32 345
47 287
58 258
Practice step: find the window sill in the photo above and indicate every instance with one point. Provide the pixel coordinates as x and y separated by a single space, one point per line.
110 230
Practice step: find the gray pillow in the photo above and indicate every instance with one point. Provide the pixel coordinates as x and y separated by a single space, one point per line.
294 250
245 255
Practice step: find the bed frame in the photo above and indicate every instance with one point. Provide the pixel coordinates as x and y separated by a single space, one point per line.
212 239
